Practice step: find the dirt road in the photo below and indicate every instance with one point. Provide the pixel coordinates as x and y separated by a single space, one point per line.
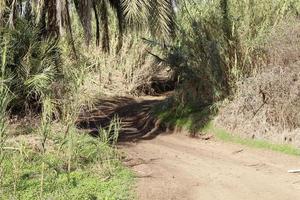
178 167
174 166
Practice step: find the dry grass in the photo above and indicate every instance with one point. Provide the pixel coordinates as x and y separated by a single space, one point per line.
267 106
283 44
118 74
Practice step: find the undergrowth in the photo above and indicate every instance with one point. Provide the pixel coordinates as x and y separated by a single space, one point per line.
96 172
189 117
54 161
220 44
201 122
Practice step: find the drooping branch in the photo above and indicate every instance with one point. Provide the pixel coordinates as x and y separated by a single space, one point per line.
156 15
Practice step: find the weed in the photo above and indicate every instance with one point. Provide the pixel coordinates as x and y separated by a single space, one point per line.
88 176
5 98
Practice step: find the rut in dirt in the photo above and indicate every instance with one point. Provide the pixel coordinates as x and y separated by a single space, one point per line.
137 120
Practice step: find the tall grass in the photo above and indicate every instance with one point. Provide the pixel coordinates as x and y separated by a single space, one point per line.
45 131
66 163
220 42
5 98
56 161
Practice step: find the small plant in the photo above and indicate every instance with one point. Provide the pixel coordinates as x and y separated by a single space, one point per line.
45 129
111 134
5 98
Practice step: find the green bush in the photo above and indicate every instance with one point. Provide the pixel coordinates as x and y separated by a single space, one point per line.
32 63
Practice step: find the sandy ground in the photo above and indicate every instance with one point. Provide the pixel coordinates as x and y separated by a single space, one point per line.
174 166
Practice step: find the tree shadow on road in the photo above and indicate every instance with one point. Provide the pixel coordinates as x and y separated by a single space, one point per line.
137 120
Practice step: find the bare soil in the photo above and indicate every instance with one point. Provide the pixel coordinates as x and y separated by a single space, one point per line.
173 166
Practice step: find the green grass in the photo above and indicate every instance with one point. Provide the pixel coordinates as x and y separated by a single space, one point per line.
201 121
261 144
188 117
96 173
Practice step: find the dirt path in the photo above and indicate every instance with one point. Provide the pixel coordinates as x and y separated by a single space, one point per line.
135 114
178 167
174 166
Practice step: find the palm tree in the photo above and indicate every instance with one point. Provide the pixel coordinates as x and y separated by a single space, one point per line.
156 15
54 17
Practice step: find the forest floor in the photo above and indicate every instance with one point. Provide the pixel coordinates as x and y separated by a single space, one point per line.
173 166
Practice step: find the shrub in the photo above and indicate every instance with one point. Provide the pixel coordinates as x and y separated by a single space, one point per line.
32 62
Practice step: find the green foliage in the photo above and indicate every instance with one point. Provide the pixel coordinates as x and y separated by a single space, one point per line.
217 43
220 42
5 98
32 62
157 15
189 117
89 177
261 144
60 164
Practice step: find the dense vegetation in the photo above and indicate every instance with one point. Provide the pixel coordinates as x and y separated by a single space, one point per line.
44 71
219 45
58 56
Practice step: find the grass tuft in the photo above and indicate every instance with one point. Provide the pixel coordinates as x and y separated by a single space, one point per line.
261 144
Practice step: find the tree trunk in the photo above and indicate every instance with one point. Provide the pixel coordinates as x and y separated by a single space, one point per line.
42 20
84 10
104 20
69 29
53 28
97 24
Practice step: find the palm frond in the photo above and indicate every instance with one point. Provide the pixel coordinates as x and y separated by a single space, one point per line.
157 15
2 7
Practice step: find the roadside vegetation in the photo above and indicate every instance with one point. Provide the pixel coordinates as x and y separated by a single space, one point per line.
57 57
238 62
223 135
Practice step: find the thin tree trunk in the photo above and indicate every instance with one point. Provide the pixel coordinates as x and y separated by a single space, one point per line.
97 24
104 20
84 10
69 30
42 20
12 15
53 29
116 4
60 15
